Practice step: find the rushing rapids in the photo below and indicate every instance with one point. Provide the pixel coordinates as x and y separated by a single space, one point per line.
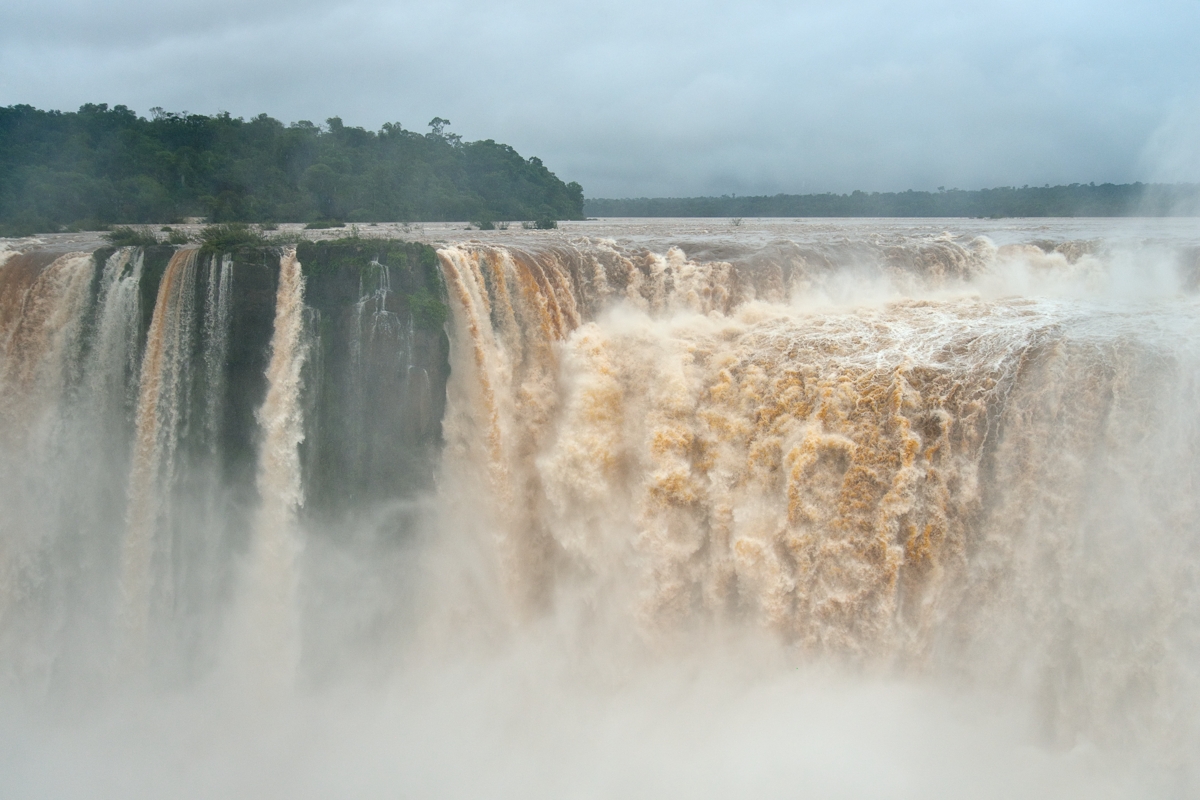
913 454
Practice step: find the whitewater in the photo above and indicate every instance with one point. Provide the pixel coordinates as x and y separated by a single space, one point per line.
781 508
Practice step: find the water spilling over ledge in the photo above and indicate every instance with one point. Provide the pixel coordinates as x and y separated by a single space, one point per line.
940 474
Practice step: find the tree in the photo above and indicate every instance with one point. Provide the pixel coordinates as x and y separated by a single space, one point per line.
322 181
102 165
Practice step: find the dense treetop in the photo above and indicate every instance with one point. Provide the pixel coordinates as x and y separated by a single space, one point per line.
1075 200
102 165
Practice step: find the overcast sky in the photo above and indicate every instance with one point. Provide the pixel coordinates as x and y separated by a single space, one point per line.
644 98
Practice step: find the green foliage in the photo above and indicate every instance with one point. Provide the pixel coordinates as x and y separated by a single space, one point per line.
104 165
428 310
125 236
324 185
338 270
230 237
360 255
323 224
1075 200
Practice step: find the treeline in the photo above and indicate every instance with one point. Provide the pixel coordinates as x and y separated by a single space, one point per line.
101 166
1075 200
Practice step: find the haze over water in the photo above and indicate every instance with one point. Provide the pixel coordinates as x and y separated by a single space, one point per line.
836 508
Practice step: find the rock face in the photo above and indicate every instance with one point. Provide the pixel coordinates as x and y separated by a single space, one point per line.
376 381
374 384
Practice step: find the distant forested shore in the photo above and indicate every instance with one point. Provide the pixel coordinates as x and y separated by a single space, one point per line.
101 166
1074 200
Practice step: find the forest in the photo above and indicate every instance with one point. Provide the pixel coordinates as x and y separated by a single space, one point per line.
101 166
1074 200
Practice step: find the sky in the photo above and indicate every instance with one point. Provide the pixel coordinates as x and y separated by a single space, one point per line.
639 98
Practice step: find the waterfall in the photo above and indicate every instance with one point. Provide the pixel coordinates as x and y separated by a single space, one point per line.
216 338
18 271
43 339
41 327
372 342
162 414
115 346
694 456
545 486
271 619
515 314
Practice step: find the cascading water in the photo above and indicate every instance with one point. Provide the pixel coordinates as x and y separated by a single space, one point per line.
216 335
171 564
270 628
851 510
41 328
895 482
162 416
115 356
43 341
372 340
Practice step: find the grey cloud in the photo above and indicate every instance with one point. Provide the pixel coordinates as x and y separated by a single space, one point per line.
663 98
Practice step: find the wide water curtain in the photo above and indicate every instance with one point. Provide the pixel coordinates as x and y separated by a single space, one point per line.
900 452
689 457
915 483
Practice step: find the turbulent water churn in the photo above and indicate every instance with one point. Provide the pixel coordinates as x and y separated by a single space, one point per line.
943 478
711 511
